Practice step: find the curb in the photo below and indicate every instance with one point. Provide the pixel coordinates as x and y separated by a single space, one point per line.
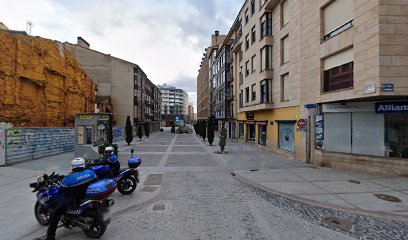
323 205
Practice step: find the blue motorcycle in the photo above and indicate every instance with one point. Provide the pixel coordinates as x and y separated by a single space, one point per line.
127 179
91 215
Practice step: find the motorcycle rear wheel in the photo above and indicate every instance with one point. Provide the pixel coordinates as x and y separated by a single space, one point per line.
98 227
127 185
42 215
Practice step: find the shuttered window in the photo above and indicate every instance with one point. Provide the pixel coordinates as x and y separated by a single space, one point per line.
338 16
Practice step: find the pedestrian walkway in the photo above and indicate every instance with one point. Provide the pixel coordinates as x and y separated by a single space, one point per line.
352 191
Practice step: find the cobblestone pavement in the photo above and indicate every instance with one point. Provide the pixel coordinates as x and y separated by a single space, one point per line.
200 199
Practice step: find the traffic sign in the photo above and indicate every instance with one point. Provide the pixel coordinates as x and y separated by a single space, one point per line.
302 123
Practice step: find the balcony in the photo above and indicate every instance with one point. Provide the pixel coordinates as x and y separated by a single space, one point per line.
266 41
236 46
266 74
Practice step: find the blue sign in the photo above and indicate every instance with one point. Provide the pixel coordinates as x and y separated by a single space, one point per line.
308 106
389 87
391 107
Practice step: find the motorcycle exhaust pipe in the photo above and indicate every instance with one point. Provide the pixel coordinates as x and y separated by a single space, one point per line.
82 225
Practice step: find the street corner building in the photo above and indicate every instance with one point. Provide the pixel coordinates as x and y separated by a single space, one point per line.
325 82
41 84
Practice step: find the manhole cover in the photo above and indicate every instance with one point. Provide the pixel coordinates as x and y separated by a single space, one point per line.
154 179
148 189
159 207
254 170
337 223
388 198
354 181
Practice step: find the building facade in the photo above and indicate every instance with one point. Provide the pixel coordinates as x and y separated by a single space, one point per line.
191 117
324 81
123 83
174 104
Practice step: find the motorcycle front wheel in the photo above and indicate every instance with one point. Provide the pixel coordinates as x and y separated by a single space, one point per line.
42 215
127 185
97 228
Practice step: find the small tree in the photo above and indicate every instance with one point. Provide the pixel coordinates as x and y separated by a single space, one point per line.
223 139
204 130
139 131
147 129
210 130
129 131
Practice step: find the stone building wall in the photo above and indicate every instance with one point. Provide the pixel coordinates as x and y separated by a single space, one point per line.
41 84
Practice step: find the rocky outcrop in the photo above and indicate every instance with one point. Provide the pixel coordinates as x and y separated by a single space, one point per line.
41 84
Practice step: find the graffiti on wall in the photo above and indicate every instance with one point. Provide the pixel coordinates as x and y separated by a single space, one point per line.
29 143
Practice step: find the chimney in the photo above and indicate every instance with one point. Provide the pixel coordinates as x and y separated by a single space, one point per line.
81 42
217 33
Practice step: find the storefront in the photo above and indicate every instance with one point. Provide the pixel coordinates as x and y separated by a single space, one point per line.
375 129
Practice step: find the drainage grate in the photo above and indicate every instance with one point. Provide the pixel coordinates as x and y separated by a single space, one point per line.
354 181
337 223
388 198
159 207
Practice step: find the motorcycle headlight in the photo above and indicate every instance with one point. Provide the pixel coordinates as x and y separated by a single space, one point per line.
40 179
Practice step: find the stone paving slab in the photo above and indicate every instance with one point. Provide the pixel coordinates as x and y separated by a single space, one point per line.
332 187
192 149
151 149
190 160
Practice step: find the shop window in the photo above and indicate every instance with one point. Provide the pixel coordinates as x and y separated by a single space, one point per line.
262 134
251 132
396 135
241 130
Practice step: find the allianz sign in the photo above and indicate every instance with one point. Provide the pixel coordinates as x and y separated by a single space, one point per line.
391 107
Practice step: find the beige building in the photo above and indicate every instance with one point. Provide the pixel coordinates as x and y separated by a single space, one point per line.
123 83
324 81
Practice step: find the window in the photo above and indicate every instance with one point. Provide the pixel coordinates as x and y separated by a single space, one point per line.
241 76
241 130
265 91
253 7
285 50
338 71
246 16
246 68
337 17
253 35
262 134
247 94
253 92
266 58
246 42
262 2
284 13
250 132
285 87
253 63
266 25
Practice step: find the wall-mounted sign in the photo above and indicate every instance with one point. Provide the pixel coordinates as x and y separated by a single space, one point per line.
369 89
85 117
250 116
387 87
302 123
349 107
250 122
262 123
391 107
310 106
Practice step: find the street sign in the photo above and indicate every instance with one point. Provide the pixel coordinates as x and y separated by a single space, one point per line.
309 106
387 87
302 123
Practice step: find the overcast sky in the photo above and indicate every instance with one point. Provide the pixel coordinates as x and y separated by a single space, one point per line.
166 38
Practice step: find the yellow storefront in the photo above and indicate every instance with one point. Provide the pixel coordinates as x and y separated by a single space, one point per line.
274 130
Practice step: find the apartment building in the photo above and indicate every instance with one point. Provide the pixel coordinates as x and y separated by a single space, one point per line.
206 78
174 104
323 81
121 85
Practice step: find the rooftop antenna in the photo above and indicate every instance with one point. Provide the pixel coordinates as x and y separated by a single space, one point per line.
29 27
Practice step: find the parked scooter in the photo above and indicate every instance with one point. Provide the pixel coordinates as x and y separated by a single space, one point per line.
127 179
91 215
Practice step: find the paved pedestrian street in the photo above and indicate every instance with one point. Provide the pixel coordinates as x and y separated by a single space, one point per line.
187 191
